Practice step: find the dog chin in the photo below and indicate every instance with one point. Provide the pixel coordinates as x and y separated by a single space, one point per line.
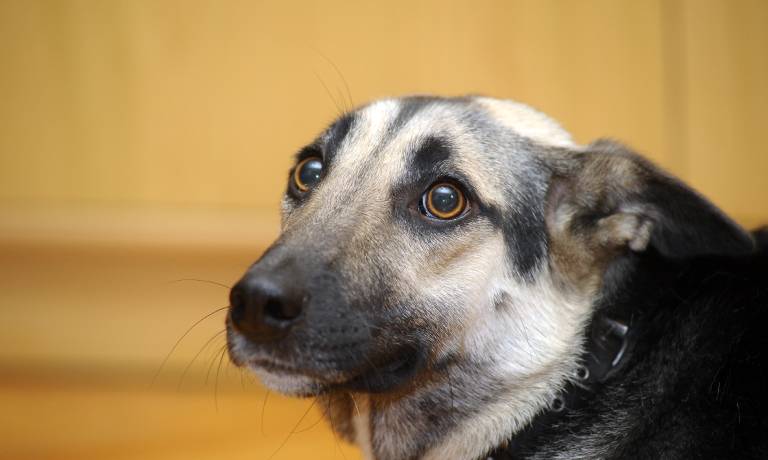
289 384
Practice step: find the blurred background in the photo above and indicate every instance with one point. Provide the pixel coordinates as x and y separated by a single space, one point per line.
144 145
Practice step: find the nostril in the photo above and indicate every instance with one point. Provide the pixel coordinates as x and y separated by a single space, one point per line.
237 304
264 308
236 299
280 310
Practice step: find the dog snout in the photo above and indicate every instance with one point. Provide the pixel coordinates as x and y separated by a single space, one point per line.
264 308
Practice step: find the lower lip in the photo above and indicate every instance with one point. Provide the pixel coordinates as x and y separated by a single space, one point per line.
387 377
274 368
381 378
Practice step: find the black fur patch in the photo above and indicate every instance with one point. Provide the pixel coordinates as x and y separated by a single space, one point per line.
694 385
409 107
336 135
521 219
427 159
524 233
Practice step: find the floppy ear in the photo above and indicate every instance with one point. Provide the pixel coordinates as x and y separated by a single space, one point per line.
607 199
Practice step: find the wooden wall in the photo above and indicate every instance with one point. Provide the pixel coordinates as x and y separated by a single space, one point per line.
201 103
142 142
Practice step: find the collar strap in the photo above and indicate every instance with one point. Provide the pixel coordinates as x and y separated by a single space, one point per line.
607 343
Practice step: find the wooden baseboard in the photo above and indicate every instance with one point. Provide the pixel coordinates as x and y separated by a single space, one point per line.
170 228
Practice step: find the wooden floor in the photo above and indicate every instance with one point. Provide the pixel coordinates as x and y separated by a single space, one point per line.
83 329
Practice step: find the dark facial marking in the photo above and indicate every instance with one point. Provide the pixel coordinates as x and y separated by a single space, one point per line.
525 235
433 153
336 134
408 109
521 217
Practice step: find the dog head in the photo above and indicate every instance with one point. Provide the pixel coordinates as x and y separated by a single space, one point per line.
422 232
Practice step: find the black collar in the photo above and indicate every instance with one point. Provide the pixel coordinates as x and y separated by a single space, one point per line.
608 340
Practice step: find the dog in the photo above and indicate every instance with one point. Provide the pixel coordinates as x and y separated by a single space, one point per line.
456 278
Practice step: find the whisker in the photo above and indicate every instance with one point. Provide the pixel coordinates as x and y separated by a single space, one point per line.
367 323
263 409
355 403
213 361
450 388
314 424
341 96
199 352
375 369
216 382
175 345
328 92
444 336
341 75
525 333
304 415
198 280
290 433
333 428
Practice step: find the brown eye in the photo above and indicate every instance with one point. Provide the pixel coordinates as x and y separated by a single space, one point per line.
307 173
443 201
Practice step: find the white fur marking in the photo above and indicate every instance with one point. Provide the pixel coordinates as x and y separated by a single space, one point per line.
361 421
528 122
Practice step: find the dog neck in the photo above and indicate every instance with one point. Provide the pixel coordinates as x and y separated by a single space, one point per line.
449 419
610 340
463 416
467 407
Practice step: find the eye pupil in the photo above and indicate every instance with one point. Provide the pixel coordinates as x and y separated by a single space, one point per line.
445 198
444 201
308 173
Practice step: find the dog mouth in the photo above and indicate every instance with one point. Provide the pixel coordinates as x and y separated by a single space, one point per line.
299 368
387 373
275 367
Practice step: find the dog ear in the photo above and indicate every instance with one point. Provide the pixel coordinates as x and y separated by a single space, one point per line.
607 199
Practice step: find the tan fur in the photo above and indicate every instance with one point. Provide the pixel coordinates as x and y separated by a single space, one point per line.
582 245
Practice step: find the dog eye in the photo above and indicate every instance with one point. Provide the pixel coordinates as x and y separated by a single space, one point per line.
443 201
307 173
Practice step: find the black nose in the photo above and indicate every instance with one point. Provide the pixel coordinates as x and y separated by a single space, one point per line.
264 308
